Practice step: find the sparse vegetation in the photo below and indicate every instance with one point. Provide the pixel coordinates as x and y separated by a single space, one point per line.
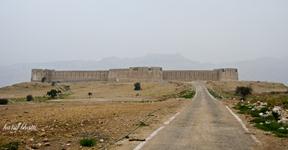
67 88
271 99
137 86
88 142
263 120
3 101
268 95
243 91
188 94
29 98
142 124
215 94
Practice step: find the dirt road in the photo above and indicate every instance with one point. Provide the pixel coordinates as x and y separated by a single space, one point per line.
204 124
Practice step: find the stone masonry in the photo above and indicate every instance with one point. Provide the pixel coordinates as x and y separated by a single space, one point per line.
135 74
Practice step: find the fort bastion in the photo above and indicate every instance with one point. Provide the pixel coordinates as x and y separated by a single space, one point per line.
135 74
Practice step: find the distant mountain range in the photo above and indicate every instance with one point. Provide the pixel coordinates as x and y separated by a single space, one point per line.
264 69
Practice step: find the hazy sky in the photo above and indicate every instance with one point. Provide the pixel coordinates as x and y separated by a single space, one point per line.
202 30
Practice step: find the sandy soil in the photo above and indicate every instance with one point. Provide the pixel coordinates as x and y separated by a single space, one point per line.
64 124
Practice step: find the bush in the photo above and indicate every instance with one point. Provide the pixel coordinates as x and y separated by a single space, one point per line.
188 94
53 93
90 94
285 104
29 98
243 108
276 115
137 86
88 142
243 91
10 146
3 101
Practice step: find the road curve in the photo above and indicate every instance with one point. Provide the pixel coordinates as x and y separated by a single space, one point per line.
204 125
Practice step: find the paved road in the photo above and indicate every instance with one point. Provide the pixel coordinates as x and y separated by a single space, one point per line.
204 125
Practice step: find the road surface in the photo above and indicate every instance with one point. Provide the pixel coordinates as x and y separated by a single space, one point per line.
205 124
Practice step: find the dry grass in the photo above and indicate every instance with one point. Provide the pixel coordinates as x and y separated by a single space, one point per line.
258 87
121 90
107 90
23 89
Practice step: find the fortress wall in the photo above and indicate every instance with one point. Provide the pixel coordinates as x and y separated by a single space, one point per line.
188 75
117 74
136 74
65 76
228 74
39 74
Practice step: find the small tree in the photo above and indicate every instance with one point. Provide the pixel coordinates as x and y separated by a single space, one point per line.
87 142
29 98
243 91
137 86
3 101
90 94
53 93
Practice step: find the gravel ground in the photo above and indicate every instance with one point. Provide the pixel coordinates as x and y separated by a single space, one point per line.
63 124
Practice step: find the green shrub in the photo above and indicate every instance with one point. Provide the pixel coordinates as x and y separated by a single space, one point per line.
243 108
276 115
137 86
243 91
258 120
3 101
53 93
254 113
285 104
188 94
29 98
273 126
10 146
88 142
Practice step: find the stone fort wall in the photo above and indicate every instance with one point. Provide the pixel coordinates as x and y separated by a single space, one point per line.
134 74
